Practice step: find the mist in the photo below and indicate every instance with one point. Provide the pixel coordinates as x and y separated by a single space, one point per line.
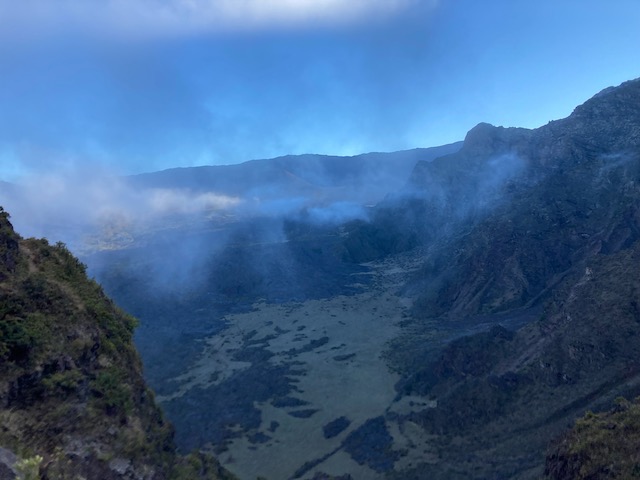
256 230
257 227
172 229
78 206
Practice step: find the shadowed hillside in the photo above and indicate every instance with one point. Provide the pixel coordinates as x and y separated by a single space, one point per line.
560 246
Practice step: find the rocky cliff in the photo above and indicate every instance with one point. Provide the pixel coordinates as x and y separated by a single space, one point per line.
571 194
514 208
524 227
73 403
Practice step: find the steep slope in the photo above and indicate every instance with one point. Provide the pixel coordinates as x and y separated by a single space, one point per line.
445 195
531 201
549 180
558 246
72 397
577 196
601 445
522 388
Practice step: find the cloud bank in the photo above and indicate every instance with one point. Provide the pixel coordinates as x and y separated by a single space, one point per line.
79 207
170 17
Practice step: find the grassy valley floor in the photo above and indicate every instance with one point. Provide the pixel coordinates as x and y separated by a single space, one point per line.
331 351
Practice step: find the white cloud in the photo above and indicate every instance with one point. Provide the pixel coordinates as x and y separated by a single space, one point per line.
68 205
162 17
162 201
259 12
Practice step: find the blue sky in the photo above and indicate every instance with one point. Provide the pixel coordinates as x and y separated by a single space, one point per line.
143 85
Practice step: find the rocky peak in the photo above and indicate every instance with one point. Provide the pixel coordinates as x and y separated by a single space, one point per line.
561 250
540 200
609 121
486 139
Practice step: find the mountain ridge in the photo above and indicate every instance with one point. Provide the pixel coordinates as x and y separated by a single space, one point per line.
364 178
291 160
561 242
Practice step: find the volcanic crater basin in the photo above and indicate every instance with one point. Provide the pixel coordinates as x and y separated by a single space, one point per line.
328 353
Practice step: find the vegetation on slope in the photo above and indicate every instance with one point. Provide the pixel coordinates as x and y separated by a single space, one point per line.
599 446
71 386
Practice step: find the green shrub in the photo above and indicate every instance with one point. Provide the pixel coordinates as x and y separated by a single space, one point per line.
15 340
63 382
29 467
110 391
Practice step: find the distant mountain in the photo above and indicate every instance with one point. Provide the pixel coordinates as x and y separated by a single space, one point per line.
365 178
121 212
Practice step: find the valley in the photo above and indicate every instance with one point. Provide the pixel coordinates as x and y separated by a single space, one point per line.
431 338
450 331
331 349
319 240
298 388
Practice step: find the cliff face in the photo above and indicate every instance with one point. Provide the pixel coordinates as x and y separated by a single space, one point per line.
514 210
554 245
575 194
72 396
